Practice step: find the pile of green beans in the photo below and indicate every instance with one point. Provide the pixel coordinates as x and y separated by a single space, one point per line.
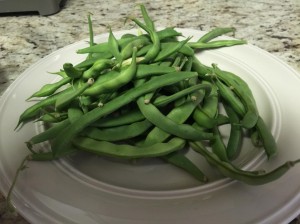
149 95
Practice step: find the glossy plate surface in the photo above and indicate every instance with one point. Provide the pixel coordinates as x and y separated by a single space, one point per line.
90 190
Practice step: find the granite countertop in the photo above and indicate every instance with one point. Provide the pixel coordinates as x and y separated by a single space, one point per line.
26 38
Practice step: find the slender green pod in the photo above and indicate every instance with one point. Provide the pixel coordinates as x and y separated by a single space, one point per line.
147 70
48 134
166 124
104 148
71 71
267 138
251 178
118 133
110 84
233 147
178 115
97 67
123 119
216 32
66 99
180 160
114 47
34 110
164 100
170 49
215 44
49 89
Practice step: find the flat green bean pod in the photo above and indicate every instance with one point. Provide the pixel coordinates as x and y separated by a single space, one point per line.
105 148
247 177
118 133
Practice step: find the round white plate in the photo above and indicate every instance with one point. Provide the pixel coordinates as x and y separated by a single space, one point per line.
95 190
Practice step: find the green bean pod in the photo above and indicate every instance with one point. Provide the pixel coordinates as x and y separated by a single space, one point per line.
34 110
233 147
230 97
49 89
215 33
155 47
123 119
147 70
180 160
48 134
97 68
251 178
110 84
114 46
71 71
118 133
243 91
166 124
171 48
66 99
164 100
215 44
104 148
267 138
53 117
139 42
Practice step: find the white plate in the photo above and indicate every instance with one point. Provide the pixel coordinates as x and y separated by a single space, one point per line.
90 192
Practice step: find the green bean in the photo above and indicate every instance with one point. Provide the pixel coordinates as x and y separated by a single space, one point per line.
155 48
48 134
72 72
49 89
123 119
62 141
230 97
91 32
111 84
114 46
53 117
138 42
203 120
206 114
180 160
245 176
66 99
74 113
267 138
170 49
127 151
128 36
61 73
242 90
233 147
218 146
166 124
90 61
146 70
215 44
148 21
168 32
33 111
178 114
164 100
118 133
215 33
97 68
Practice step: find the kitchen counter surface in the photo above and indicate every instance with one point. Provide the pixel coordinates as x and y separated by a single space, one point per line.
26 38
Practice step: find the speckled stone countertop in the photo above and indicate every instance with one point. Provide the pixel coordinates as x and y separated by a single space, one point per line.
26 38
